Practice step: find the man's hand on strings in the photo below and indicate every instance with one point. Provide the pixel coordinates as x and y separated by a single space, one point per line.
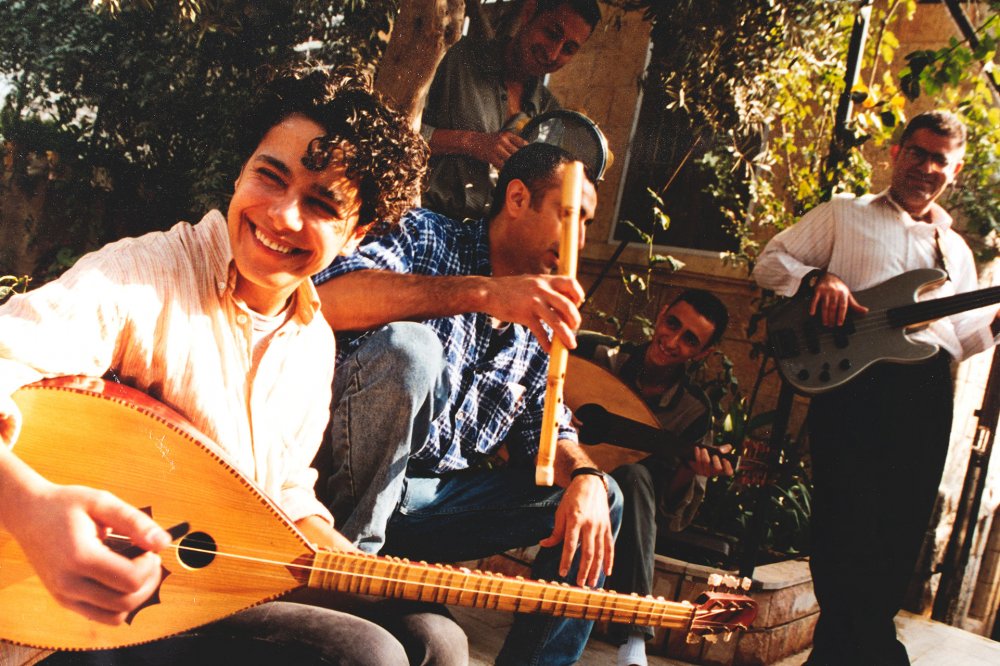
61 530
832 299
707 464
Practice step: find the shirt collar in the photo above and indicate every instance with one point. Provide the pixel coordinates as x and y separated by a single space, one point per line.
939 216
491 60
630 370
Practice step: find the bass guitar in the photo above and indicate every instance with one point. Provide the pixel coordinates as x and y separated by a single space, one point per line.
234 548
814 358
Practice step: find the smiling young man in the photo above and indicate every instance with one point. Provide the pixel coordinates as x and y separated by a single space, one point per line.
421 408
662 492
220 321
878 444
483 89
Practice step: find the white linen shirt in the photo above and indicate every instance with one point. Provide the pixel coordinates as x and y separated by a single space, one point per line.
867 240
159 311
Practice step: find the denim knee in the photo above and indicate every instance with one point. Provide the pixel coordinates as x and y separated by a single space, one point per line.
616 503
412 347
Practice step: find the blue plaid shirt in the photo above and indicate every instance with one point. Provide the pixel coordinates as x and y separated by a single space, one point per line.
497 376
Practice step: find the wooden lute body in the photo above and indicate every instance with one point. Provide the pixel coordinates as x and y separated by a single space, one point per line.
234 548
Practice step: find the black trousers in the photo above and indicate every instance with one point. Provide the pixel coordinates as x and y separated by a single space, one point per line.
878 448
635 546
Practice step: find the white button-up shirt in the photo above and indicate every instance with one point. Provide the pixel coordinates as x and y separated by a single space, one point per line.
867 240
159 311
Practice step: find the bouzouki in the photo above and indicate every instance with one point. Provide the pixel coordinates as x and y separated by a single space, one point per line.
814 358
234 548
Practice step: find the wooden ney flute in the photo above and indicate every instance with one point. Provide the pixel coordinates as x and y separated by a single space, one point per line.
572 194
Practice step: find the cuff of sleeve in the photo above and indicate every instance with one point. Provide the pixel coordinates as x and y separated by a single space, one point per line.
426 131
809 280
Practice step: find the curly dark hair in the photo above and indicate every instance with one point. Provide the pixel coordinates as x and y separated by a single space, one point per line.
375 142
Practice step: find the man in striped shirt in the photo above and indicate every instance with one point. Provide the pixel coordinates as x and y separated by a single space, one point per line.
878 444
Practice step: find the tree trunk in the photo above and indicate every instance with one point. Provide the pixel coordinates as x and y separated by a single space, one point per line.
421 33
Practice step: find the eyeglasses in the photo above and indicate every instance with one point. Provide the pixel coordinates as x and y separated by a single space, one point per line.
919 156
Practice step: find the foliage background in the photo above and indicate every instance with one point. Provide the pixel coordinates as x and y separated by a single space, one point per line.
135 105
766 77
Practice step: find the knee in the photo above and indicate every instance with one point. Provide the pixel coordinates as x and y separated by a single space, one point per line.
441 641
379 650
616 502
413 353
405 355
634 480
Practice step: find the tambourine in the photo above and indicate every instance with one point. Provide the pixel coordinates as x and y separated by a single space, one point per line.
575 133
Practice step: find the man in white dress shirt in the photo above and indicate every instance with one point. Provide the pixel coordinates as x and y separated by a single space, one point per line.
878 444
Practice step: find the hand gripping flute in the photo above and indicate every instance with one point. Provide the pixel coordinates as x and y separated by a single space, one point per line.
572 194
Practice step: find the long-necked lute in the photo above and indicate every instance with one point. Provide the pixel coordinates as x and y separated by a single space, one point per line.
234 548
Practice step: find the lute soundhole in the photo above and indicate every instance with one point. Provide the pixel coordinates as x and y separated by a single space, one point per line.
196 550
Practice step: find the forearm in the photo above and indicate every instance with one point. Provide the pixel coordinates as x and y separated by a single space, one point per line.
365 299
793 253
454 142
319 532
778 270
569 456
17 482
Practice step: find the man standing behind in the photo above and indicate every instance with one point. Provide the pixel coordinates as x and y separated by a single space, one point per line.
878 445
662 491
482 89
420 408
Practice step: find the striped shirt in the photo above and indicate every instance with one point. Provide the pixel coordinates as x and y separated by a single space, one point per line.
867 240
159 312
498 376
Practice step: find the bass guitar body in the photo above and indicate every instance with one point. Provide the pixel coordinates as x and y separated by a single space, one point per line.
815 358
234 548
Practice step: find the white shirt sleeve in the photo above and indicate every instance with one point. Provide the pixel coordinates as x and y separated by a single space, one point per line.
799 249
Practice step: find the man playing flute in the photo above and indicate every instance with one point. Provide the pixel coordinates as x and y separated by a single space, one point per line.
452 367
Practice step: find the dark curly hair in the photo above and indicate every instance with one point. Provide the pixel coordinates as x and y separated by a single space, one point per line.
375 142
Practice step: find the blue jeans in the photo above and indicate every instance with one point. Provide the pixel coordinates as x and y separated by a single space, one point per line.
386 394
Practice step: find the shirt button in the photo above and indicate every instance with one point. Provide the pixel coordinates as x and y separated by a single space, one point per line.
241 319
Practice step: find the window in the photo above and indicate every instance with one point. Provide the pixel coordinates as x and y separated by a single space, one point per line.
665 148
